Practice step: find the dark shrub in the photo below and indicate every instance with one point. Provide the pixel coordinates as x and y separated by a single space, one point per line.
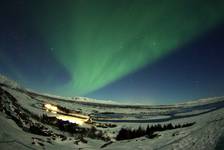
149 132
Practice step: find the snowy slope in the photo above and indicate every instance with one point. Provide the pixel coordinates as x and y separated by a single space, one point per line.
8 82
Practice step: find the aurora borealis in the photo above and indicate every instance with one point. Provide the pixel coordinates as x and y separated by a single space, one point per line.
82 47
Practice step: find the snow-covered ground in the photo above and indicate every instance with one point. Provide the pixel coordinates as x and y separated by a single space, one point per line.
208 115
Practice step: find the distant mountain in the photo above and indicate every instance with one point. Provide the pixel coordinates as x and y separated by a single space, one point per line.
5 81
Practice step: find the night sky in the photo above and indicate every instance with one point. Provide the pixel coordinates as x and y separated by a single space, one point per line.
132 51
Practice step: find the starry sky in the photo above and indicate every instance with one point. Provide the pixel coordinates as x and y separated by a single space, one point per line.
132 51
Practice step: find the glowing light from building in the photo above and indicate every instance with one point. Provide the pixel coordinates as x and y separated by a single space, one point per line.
71 119
80 119
51 107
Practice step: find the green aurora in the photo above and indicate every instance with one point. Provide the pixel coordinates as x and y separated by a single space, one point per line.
101 41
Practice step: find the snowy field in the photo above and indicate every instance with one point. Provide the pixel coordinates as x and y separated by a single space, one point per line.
206 133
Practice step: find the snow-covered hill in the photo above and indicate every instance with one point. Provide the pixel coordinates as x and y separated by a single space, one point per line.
8 82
